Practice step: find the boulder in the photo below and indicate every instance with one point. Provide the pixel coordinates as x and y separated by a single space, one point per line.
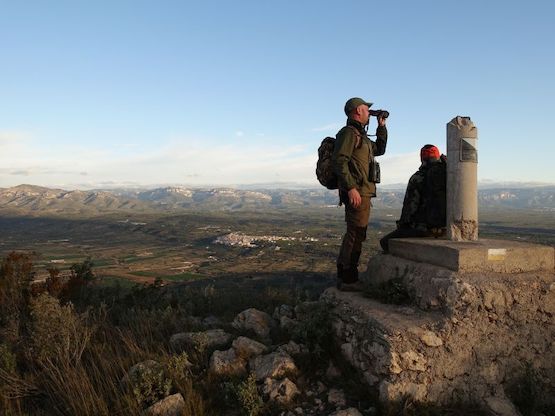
274 365
280 391
173 405
247 348
227 363
199 341
254 320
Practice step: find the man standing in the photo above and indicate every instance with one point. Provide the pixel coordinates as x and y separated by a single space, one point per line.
424 206
355 167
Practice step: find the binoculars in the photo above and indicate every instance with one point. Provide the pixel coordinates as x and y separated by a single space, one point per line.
379 113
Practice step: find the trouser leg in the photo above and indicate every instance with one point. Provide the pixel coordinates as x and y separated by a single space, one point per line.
351 246
349 253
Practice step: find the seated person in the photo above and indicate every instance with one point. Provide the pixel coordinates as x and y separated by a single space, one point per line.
425 203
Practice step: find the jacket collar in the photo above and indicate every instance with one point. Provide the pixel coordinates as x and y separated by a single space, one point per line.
356 124
428 163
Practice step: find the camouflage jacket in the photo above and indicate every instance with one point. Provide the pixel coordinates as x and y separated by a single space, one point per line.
414 213
353 153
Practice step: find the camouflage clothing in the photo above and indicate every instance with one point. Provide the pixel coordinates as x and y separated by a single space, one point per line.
415 205
415 214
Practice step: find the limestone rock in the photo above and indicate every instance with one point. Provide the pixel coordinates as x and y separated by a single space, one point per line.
430 339
173 405
246 347
351 411
200 341
254 320
472 334
392 392
280 391
274 365
501 406
394 365
413 360
227 363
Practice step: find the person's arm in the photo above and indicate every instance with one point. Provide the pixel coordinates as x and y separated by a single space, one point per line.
378 147
413 196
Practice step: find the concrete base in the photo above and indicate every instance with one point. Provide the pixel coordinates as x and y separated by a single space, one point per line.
498 256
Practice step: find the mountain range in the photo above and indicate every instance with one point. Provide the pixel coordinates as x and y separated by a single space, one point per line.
35 199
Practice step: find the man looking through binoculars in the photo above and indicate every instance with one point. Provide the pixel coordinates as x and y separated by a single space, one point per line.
357 173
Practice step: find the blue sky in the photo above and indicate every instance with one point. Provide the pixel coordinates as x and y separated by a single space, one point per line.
142 92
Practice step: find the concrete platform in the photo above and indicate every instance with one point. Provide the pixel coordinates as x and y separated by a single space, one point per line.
500 256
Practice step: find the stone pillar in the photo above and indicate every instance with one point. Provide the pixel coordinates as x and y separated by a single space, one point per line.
462 180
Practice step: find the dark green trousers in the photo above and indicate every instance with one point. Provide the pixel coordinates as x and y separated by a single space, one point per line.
351 246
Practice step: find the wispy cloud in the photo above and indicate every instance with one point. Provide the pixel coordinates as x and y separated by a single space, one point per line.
179 160
328 127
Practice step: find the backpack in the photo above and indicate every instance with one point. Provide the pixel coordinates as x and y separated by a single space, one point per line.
435 194
324 167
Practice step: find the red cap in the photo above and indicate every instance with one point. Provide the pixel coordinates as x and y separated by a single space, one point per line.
429 151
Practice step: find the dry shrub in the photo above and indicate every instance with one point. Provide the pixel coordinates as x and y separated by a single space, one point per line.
16 274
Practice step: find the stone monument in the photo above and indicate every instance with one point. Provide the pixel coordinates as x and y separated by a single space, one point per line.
462 180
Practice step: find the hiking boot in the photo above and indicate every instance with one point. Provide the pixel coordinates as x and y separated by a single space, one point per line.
350 287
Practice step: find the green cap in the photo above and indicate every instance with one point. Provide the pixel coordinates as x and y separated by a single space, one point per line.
353 103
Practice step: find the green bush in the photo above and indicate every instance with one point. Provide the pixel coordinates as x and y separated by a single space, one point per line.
248 397
150 385
57 332
179 366
314 327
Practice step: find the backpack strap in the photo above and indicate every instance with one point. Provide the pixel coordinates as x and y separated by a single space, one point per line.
357 135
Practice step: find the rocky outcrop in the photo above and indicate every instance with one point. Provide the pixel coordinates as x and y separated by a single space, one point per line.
465 336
